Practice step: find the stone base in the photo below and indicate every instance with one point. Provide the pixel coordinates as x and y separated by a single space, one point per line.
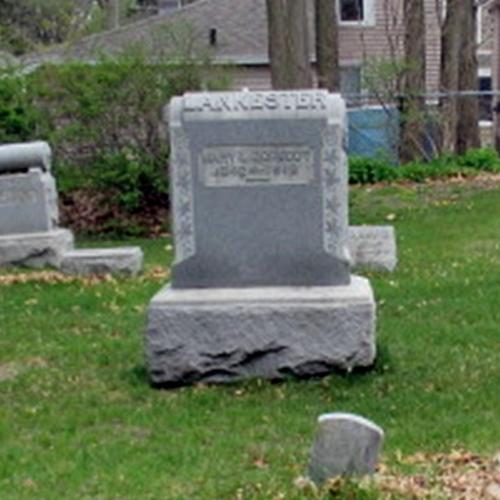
125 261
35 249
373 247
223 335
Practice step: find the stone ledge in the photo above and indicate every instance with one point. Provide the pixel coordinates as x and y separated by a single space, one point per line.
35 249
373 247
126 261
224 335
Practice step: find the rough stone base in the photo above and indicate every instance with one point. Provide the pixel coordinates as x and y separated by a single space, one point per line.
35 249
126 261
373 247
223 335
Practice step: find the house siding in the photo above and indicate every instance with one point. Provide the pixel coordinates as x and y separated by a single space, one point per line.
241 38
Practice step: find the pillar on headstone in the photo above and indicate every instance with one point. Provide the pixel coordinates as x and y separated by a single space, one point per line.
261 284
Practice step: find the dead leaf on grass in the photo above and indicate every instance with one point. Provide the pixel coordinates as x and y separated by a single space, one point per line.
8 371
458 475
56 277
157 273
47 277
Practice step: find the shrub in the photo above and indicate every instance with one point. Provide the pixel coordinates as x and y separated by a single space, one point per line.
370 170
18 116
103 120
480 159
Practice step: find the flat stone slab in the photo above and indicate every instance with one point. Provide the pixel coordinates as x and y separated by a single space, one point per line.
373 247
126 261
222 335
345 444
35 249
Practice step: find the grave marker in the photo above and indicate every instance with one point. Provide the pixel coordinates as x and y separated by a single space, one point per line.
259 189
345 445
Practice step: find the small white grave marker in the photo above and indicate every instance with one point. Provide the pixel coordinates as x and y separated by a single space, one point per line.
345 444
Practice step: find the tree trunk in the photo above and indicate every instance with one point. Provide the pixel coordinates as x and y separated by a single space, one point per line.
450 43
459 115
288 44
495 13
327 45
467 136
413 103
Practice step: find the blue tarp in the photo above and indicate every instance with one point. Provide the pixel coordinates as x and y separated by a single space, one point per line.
374 132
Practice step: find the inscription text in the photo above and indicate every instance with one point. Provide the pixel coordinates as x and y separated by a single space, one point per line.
256 165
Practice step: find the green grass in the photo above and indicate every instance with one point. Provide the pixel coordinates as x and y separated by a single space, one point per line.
79 420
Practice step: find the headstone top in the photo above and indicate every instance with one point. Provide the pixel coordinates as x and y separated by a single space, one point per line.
24 156
351 417
251 105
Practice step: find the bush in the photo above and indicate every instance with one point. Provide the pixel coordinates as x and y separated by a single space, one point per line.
136 180
370 170
18 115
104 121
480 159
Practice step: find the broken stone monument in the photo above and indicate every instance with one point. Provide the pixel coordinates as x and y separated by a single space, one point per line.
29 218
29 232
261 284
345 445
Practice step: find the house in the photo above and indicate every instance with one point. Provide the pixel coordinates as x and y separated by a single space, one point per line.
493 7
235 32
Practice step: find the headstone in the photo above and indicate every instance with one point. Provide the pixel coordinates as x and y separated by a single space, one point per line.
29 233
261 284
373 247
35 249
345 445
260 190
29 218
28 202
126 261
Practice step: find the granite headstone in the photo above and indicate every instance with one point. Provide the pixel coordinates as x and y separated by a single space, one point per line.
29 215
345 445
259 189
28 202
258 198
373 247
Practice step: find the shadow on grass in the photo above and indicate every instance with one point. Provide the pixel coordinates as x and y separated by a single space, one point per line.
137 376
384 364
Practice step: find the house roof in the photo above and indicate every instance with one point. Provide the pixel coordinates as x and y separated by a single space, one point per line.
241 32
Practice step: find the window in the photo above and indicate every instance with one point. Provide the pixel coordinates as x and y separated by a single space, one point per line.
351 10
485 101
356 12
350 84
350 80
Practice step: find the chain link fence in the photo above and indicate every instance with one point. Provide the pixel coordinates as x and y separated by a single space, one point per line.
375 121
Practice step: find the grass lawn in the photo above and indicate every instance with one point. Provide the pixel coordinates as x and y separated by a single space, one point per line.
79 420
